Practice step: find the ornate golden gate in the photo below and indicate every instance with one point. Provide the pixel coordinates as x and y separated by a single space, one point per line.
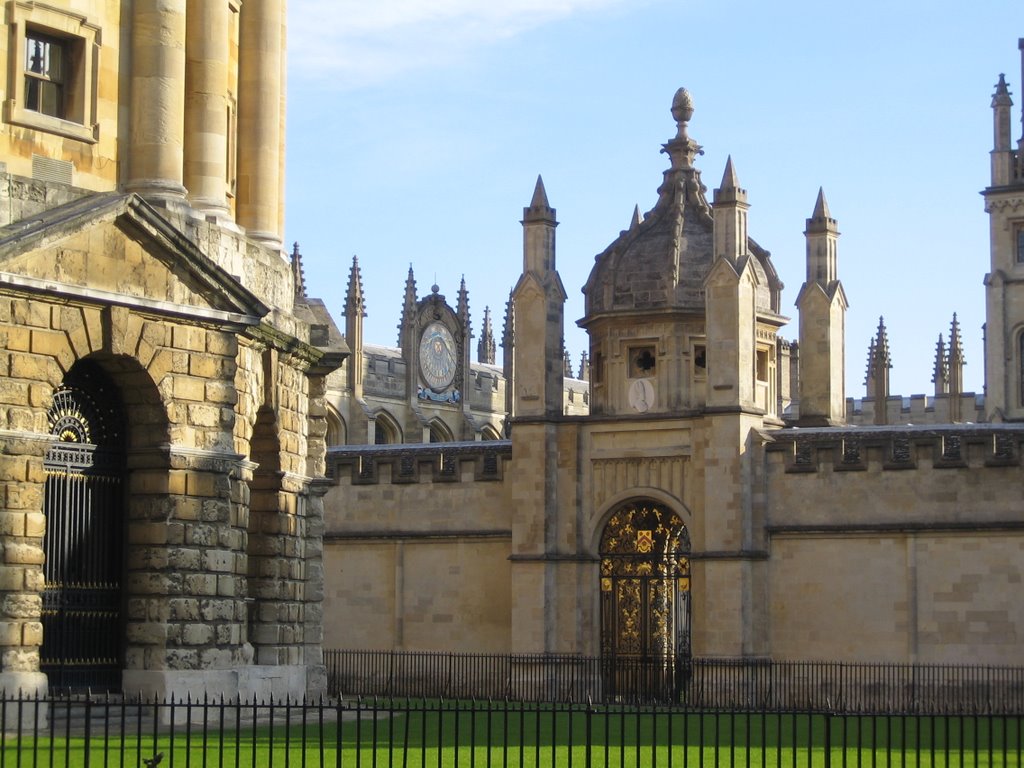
84 533
645 605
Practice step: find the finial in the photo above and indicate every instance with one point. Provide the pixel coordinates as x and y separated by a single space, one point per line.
682 109
435 288
1001 98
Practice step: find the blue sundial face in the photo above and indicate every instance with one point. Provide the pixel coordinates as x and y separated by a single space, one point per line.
437 356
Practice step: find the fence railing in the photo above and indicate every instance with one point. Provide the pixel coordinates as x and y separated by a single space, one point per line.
412 733
700 683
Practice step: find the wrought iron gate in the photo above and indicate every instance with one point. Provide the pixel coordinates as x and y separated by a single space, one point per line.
645 605
84 499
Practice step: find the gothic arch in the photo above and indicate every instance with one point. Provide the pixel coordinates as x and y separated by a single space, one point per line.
337 432
487 432
386 430
439 432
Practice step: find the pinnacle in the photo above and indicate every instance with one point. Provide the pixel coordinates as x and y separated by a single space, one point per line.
821 206
729 180
637 219
540 196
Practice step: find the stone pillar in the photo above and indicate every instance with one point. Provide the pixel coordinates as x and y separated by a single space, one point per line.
21 560
261 47
206 105
156 148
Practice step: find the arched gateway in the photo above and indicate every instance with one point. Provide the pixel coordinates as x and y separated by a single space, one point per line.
645 606
83 543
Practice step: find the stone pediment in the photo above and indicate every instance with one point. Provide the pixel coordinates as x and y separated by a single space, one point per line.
115 248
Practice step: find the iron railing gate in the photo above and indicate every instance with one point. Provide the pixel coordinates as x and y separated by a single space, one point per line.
83 541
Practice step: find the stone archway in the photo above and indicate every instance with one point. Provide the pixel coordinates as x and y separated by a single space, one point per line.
645 601
84 507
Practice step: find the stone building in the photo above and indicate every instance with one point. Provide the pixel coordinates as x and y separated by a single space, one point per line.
722 496
162 380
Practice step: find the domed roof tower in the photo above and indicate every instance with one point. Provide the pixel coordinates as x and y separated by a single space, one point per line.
645 299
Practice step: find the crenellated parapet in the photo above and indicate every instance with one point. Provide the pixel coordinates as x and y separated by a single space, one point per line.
954 446
467 461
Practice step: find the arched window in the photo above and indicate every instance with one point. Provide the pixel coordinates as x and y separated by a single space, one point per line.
386 431
336 432
439 432
489 433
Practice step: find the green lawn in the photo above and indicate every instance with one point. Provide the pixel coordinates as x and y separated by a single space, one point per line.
551 737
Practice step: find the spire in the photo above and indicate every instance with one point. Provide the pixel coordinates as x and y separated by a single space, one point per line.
729 210
540 196
298 276
869 375
955 362
566 364
729 180
584 367
879 363
539 232
637 218
486 348
355 311
462 305
940 374
822 235
408 304
821 206
354 298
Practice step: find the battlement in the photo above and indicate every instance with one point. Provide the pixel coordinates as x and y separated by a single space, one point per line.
917 409
467 461
951 446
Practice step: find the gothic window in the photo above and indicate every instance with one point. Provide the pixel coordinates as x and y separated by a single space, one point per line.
439 432
335 428
386 430
1020 243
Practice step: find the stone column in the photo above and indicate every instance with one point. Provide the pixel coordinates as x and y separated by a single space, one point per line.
259 121
156 147
206 104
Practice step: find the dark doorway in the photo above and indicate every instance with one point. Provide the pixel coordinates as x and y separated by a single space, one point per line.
645 603
84 539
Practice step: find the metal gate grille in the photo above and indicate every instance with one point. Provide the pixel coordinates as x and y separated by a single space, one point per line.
81 610
645 590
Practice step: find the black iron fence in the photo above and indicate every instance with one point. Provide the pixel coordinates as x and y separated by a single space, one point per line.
700 683
413 733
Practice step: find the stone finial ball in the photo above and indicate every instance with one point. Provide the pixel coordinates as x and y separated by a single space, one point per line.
682 106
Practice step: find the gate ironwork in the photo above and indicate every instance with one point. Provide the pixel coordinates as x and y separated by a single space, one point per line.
645 605
83 542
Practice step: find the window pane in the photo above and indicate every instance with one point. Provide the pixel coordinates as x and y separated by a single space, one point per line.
50 99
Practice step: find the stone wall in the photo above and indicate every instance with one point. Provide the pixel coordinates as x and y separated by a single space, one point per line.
915 533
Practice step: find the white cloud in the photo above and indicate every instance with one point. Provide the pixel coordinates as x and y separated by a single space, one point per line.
359 42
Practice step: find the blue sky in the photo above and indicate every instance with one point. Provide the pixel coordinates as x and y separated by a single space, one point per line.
417 129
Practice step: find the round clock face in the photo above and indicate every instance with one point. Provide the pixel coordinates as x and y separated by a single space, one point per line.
437 356
641 395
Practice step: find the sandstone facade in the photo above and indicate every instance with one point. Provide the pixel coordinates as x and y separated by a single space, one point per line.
722 496
162 417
